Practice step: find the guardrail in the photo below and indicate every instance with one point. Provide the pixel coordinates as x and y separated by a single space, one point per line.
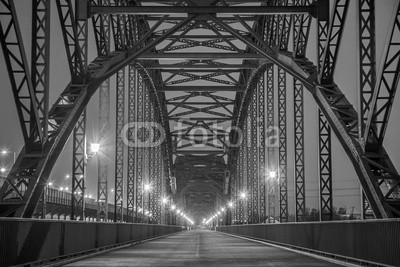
372 241
24 241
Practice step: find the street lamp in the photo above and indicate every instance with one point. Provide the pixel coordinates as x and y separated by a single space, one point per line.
95 147
3 170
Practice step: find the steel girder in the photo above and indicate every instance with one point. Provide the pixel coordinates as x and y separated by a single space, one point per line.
282 158
132 150
261 146
119 147
385 90
62 116
75 34
102 33
29 94
140 151
102 167
40 60
325 149
242 10
79 162
270 104
367 82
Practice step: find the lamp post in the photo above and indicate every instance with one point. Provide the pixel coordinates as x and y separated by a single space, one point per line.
76 183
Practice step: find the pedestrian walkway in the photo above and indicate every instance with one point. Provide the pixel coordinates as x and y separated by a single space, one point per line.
201 248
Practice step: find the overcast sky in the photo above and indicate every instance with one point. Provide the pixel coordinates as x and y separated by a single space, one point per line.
346 185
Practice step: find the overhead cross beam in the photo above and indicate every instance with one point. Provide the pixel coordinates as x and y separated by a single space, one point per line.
242 10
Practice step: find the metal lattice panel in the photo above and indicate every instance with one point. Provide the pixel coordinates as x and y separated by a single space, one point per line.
131 164
282 124
119 147
261 146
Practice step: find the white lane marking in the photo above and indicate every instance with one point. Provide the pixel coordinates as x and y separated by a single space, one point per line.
198 246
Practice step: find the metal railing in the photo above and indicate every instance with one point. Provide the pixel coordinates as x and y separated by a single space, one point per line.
373 241
24 241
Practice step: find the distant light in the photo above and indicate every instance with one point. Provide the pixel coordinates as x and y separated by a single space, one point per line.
81 176
178 211
230 204
272 174
164 200
222 210
90 196
67 176
219 213
243 195
66 188
173 207
3 170
4 152
95 147
50 184
112 190
86 196
61 188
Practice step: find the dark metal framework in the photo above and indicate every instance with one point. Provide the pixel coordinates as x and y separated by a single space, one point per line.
119 147
230 57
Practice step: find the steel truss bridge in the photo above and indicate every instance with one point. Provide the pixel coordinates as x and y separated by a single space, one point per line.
201 105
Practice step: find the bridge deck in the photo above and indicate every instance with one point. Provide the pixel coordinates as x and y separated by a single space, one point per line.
201 248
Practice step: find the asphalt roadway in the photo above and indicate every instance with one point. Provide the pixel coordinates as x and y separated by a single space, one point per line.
201 248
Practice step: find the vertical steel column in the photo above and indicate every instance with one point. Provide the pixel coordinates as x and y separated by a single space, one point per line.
324 133
79 141
139 157
159 182
79 161
130 186
254 156
102 167
367 68
102 27
119 147
325 169
241 177
299 179
146 152
270 73
261 145
152 160
248 169
40 59
283 194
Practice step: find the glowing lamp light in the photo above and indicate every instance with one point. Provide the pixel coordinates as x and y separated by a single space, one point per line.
4 152
95 147
50 184
173 207
164 200
243 195
230 204
147 187
3 170
272 174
